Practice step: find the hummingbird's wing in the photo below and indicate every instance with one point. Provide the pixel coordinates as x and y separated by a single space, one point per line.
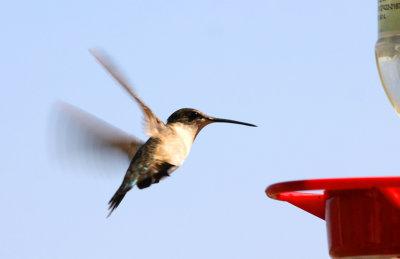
87 133
153 125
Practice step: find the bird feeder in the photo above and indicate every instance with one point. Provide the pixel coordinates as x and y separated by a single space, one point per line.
362 215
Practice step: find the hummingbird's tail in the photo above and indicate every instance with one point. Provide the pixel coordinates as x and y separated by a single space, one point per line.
118 196
116 200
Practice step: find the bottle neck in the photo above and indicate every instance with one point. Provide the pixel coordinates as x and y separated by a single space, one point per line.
388 34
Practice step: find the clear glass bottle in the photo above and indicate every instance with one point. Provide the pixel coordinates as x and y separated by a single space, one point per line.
387 49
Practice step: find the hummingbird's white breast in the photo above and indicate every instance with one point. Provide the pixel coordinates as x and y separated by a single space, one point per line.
176 143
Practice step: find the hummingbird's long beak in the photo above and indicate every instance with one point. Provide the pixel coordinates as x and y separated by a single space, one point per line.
212 119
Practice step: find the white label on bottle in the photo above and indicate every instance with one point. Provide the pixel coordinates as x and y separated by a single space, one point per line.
389 15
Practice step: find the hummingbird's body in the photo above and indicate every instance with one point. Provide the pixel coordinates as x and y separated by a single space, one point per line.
164 153
165 150
155 160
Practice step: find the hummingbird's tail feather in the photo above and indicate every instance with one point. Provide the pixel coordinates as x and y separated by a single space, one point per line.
118 196
115 201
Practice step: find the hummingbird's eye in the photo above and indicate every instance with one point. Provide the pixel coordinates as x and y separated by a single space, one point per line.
194 115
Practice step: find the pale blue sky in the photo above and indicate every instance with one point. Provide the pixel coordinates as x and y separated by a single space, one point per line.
303 71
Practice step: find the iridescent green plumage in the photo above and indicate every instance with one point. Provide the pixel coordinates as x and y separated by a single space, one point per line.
143 171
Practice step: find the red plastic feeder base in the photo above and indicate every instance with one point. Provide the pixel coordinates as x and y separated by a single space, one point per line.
362 214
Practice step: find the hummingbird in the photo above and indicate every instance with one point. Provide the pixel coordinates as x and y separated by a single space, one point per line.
165 150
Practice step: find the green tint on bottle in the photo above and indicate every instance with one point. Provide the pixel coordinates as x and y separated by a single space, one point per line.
387 49
388 15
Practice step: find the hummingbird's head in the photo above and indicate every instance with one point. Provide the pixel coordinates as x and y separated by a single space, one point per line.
195 117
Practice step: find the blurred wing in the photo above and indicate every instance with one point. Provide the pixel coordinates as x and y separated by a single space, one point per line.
90 134
153 125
